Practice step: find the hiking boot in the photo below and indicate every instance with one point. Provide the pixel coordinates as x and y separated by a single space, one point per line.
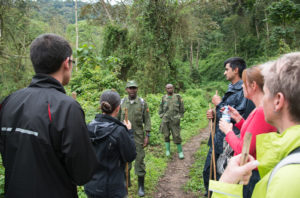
141 191
167 149
179 150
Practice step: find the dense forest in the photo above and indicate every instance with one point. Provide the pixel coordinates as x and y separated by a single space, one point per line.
153 41
183 42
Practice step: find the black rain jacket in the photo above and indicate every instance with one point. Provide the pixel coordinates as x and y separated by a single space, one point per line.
235 98
44 142
114 146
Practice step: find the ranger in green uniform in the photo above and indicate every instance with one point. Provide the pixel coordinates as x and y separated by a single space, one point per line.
138 115
171 110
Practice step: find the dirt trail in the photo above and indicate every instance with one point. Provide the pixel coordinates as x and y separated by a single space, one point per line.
177 172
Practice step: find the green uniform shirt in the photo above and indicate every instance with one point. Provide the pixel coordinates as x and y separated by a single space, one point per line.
171 108
138 115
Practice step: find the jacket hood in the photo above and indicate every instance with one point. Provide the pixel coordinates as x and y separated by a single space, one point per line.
273 147
102 126
46 81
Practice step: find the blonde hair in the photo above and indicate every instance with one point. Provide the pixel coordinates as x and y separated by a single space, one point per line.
283 76
253 74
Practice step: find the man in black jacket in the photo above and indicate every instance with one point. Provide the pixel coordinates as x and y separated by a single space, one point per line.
44 140
234 97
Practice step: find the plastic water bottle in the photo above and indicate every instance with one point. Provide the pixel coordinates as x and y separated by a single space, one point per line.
225 114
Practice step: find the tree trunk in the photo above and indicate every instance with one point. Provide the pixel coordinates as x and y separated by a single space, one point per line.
76 29
191 56
106 10
1 27
198 51
234 42
267 26
256 28
256 23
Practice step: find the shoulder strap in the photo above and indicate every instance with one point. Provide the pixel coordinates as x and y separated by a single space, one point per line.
143 104
122 101
164 98
178 97
292 158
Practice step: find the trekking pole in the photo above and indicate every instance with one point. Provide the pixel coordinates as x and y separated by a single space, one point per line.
212 159
74 95
126 168
245 150
213 150
213 141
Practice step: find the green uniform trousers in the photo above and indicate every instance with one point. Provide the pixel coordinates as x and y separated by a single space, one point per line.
174 127
139 165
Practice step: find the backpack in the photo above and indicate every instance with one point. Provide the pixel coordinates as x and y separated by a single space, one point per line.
292 158
224 157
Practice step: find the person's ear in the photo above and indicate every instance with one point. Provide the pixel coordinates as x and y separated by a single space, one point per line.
253 85
279 101
118 109
236 70
66 64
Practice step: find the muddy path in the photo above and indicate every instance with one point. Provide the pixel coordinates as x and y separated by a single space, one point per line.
177 172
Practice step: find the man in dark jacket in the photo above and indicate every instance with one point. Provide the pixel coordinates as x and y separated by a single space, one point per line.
44 141
234 97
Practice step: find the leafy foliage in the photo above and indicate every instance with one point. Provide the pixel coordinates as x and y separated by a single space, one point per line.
195 183
195 102
152 41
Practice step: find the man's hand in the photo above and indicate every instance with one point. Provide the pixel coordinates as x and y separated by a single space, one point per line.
216 99
146 140
224 126
234 114
234 172
210 114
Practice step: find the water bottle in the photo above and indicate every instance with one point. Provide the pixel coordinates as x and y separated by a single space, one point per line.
225 114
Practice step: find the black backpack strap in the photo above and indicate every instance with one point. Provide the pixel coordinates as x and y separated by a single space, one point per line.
292 158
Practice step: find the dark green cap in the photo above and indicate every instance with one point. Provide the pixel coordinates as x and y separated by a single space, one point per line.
131 83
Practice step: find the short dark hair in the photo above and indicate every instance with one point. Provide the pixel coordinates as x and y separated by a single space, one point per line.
47 53
236 62
109 101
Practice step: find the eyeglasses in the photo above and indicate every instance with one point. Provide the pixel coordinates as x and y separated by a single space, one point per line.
70 60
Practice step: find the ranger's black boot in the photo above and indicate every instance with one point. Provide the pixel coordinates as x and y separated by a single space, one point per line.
141 191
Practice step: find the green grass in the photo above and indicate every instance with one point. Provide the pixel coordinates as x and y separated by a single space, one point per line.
1 178
195 183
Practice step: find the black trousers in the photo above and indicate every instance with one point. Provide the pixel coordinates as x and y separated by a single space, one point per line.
248 189
206 169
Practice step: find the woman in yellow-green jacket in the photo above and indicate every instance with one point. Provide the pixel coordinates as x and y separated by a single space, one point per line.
282 110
